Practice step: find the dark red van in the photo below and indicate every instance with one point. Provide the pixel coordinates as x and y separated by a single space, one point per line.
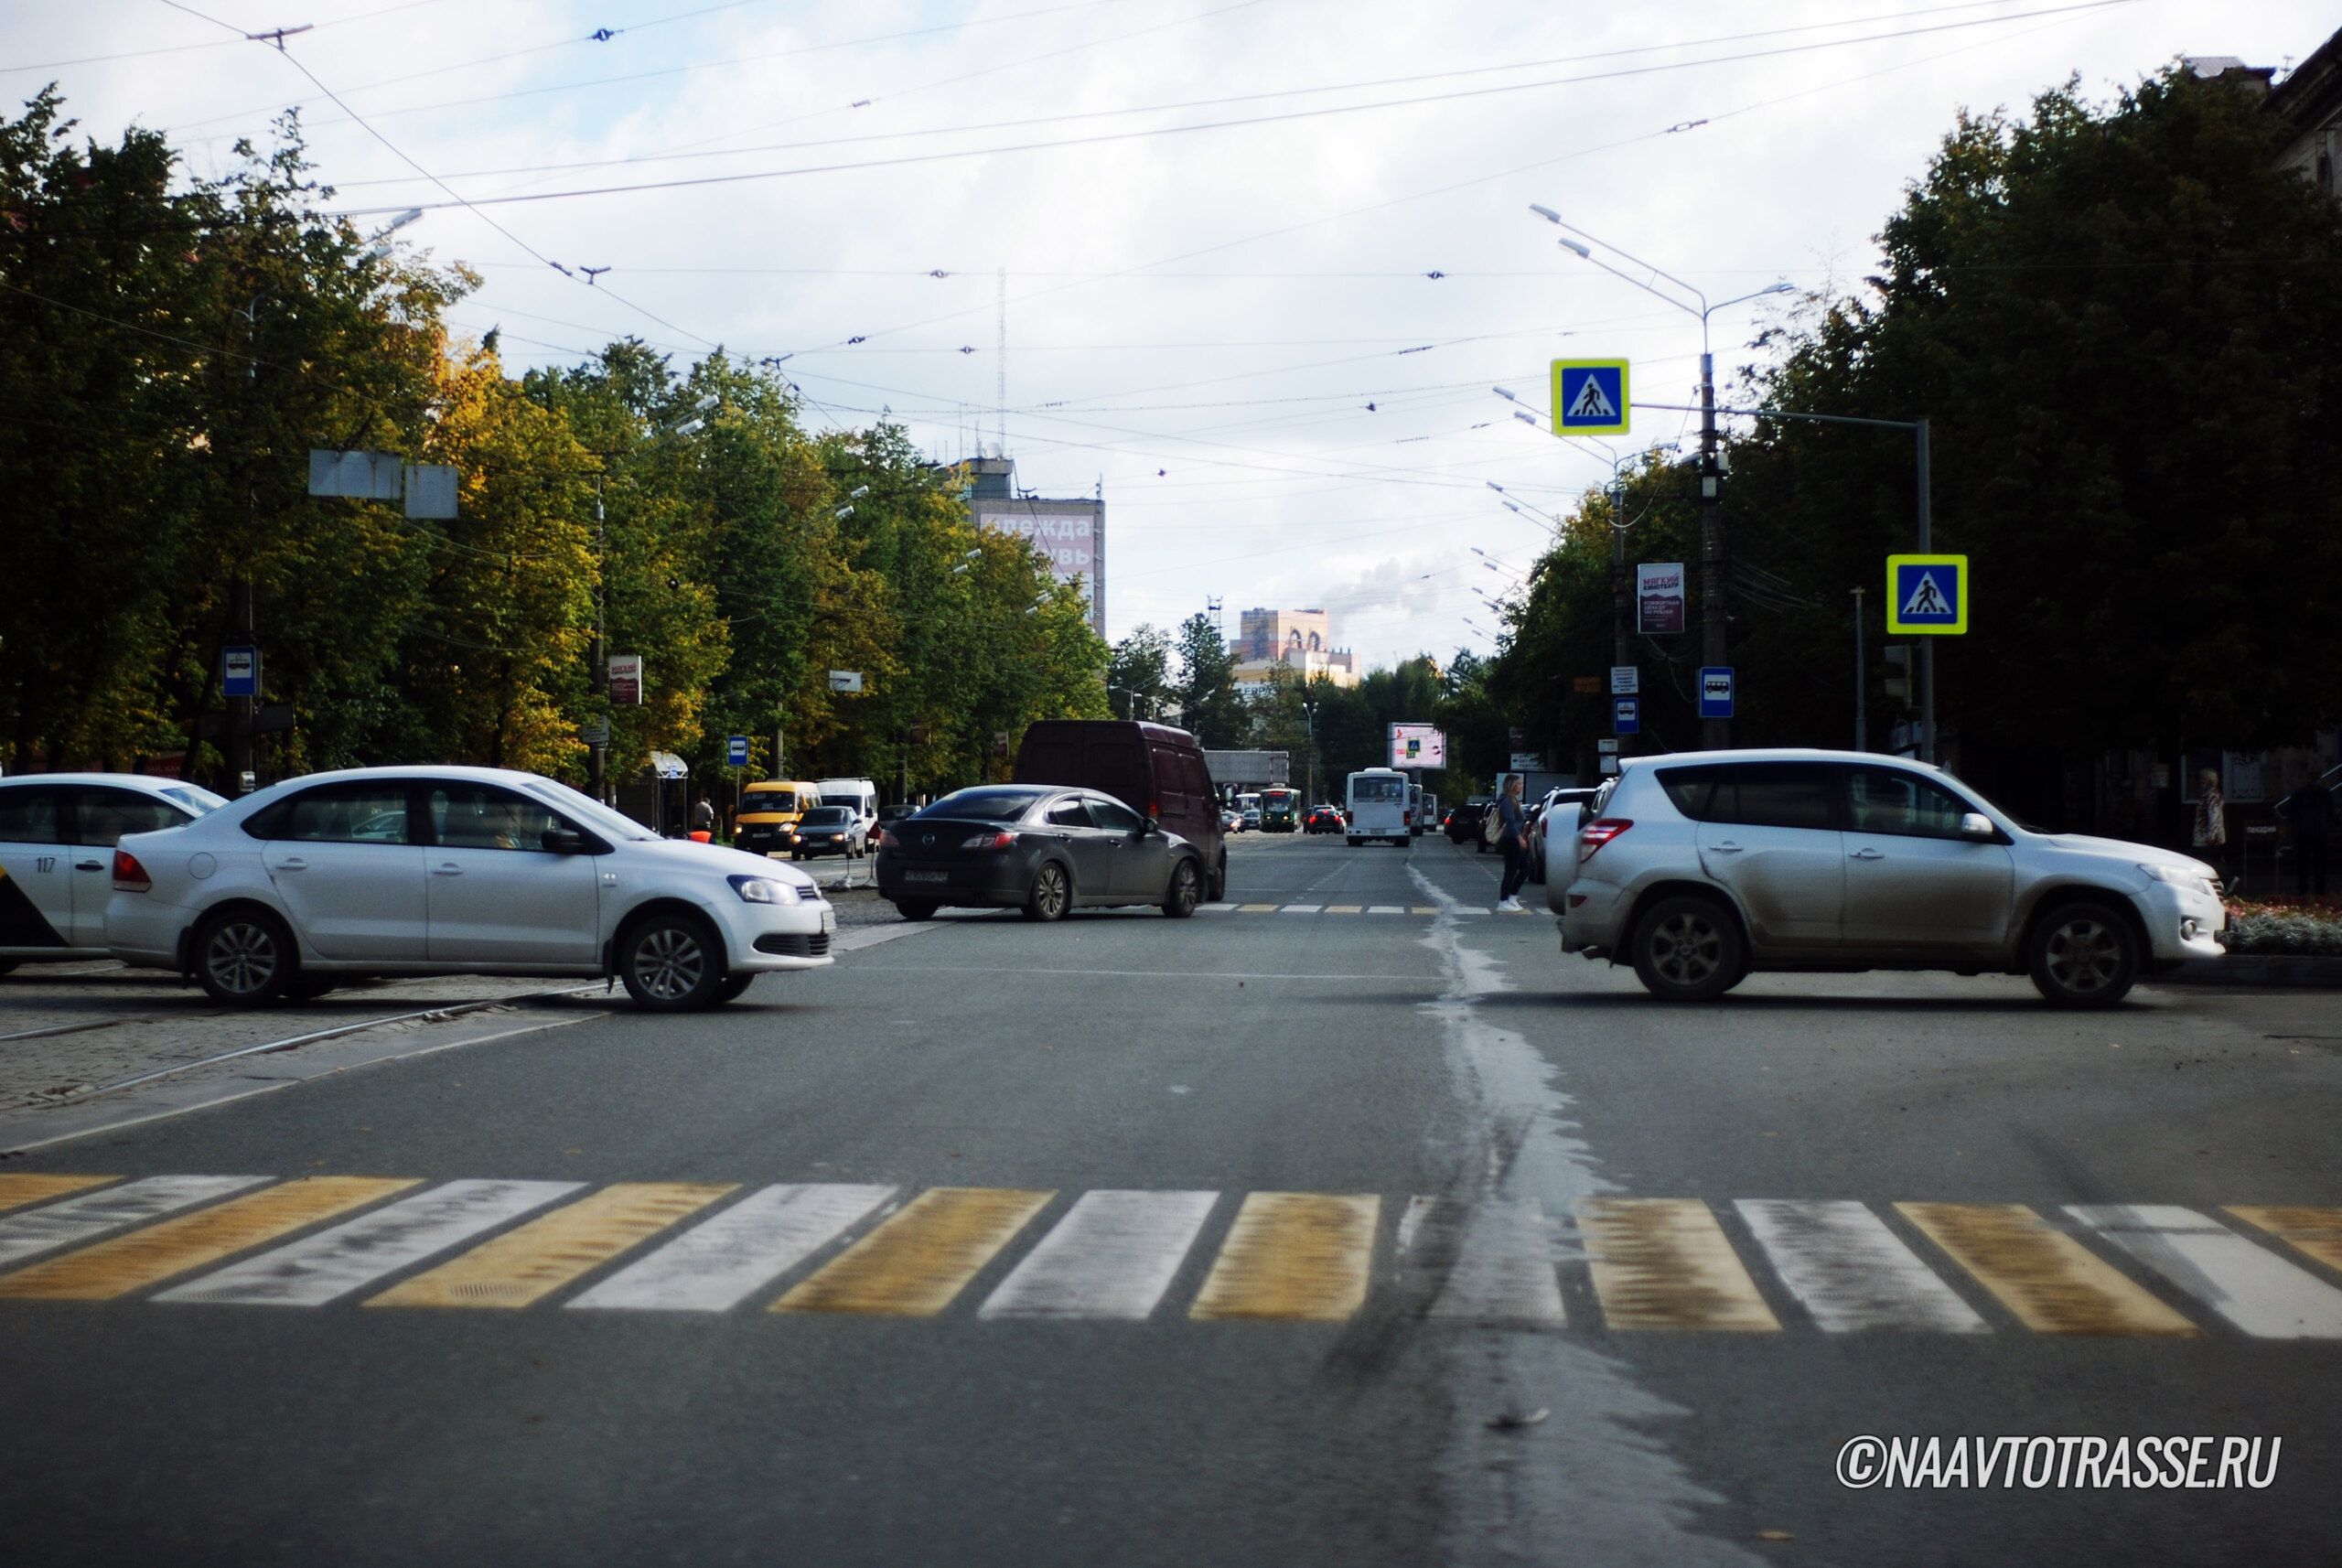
1153 769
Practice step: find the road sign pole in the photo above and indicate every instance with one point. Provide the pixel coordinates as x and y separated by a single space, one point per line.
1926 644
1714 734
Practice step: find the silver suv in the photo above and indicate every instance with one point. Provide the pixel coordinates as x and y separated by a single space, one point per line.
1700 867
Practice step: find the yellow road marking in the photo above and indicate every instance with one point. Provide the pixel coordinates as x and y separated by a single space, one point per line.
913 1265
116 1267
1256 908
1294 1256
2052 1282
1664 1263
1426 908
2312 1232
1345 909
524 1266
18 1188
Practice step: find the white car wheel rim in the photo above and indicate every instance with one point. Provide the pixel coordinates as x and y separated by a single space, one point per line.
2084 956
670 963
241 958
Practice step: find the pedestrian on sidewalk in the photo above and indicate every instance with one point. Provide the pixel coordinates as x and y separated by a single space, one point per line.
1512 838
2309 811
2211 822
704 817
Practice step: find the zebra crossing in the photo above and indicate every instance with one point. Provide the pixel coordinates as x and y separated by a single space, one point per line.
1367 910
1621 1265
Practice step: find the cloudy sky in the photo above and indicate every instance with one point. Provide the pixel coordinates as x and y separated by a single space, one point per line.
1262 260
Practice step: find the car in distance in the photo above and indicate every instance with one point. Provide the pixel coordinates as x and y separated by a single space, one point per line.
1464 823
1252 819
1280 810
827 830
57 836
1324 818
1157 771
453 870
1041 848
1698 871
768 811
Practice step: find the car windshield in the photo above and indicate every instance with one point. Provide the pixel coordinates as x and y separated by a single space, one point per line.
585 808
828 817
993 805
769 800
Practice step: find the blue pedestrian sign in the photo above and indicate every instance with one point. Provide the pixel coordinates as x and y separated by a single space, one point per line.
736 751
1715 690
240 671
1590 397
1928 595
1626 715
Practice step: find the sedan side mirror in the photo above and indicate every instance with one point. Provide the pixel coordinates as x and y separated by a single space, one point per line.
1152 827
563 840
1977 825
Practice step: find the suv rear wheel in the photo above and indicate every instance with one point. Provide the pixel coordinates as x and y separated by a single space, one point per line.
243 957
1687 949
2083 955
671 962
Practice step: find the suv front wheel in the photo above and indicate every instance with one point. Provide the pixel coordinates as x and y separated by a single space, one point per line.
2083 955
1688 949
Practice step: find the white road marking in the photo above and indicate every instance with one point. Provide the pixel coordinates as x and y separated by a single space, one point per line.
1304 908
86 1217
333 1262
1410 1222
1847 1269
1386 909
1217 908
2248 1286
1112 1255
738 1252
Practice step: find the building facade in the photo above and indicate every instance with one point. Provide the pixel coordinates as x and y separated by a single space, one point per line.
1070 532
1300 640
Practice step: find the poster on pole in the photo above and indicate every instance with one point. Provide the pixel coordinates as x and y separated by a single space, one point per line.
1658 598
626 679
1417 746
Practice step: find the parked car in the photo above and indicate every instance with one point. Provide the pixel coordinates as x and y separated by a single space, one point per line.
768 813
828 829
1324 818
1555 817
1157 771
1464 823
1040 848
57 834
1697 873
452 871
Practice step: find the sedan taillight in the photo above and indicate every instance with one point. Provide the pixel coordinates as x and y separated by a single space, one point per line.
988 841
886 839
129 876
1601 831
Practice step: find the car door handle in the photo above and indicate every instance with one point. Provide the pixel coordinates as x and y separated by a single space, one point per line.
447 868
89 866
1726 848
1866 853
295 863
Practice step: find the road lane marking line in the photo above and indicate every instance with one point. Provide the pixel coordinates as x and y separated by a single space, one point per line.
523 1266
1217 908
1296 1255
1848 1270
2052 1282
355 1253
1304 908
1343 910
2315 1233
1112 1255
921 1257
121 1264
1665 1263
733 1254
18 1188
1428 910
1387 909
1504 1269
90 1216
2252 1287
1256 908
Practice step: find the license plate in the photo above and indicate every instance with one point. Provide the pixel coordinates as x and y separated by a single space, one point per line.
926 876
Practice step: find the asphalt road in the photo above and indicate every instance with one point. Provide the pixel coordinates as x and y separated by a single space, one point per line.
1260 1238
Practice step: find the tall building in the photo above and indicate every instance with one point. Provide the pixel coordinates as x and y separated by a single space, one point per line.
1071 533
1300 641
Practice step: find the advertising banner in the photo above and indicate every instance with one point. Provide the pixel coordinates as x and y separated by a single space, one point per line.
626 679
1068 540
1417 746
1658 598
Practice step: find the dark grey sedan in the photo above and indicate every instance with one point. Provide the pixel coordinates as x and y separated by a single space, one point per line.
1040 848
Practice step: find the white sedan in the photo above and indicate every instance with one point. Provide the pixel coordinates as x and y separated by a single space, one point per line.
453 870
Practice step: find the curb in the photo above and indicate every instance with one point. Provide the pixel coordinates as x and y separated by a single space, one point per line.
2273 971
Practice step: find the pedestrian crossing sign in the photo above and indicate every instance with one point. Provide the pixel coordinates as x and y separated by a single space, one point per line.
1927 594
1590 397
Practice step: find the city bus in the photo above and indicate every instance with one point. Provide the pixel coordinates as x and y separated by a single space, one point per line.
1280 810
1378 806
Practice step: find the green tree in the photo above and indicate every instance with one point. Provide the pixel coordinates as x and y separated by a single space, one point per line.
1211 711
1138 676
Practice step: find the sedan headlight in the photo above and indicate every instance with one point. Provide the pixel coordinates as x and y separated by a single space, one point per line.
2183 876
762 890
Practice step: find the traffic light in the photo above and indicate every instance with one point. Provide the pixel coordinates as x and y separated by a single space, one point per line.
1899 671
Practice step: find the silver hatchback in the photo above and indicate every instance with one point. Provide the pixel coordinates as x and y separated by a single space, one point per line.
1698 868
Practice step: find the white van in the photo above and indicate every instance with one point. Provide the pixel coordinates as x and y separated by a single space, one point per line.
1378 806
860 794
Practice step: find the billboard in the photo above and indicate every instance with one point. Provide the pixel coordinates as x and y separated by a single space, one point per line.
626 679
1074 541
1417 746
1659 598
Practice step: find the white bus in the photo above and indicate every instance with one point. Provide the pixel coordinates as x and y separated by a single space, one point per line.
1379 806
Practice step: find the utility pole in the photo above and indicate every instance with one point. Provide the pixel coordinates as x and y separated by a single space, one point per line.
242 711
1926 644
1714 734
1861 732
597 663
1622 648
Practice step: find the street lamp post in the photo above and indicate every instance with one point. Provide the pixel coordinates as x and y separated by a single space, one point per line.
1714 734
